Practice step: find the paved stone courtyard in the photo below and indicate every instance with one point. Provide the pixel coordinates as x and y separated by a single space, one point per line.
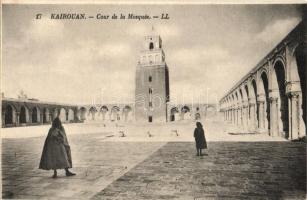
109 169
97 164
229 170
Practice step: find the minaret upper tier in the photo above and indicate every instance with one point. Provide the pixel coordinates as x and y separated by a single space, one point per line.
152 54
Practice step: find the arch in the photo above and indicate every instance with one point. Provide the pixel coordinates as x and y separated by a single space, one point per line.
300 56
103 110
174 110
92 111
279 84
265 88
185 109
246 91
185 112
174 113
115 109
237 108
241 95
247 99
236 98
10 115
23 116
55 113
115 113
82 113
126 111
62 115
241 111
127 108
232 108
232 100
254 93
71 115
46 114
280 60
35 115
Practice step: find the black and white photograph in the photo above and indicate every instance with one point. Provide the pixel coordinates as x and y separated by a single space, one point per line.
137 100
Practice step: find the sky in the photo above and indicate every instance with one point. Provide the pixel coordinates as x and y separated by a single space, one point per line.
208 48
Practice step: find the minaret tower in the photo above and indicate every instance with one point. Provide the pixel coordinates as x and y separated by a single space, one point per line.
152 82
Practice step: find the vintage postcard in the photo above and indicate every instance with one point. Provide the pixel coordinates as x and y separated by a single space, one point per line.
153 100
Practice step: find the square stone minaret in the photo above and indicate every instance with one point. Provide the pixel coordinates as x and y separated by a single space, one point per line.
152 82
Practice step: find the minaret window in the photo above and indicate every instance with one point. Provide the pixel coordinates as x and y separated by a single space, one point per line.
149 78
150 91
151 46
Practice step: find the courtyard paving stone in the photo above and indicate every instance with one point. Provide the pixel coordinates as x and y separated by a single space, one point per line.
112 168
230 170
96 163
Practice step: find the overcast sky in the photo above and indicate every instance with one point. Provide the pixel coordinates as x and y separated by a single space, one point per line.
208 49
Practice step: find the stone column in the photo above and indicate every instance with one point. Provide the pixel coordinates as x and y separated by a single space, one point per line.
294 115
29 120
38 115
228 115
3 118
17 118
261 114
239 122
245 116
227 112
274 116
240 116
252 120
47 115
234 116
41 118
55 113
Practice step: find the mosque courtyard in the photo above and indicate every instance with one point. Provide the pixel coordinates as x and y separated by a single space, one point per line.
125 161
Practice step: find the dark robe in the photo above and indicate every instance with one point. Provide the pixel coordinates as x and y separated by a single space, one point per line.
200 139
56 153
